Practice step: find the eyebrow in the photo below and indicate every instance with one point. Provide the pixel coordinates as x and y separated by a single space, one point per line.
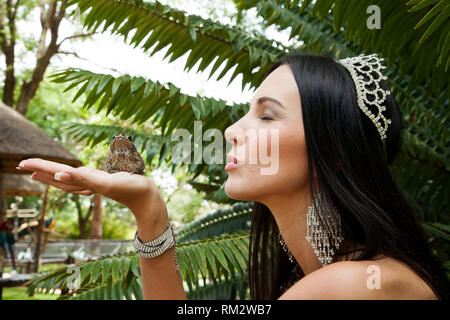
264 99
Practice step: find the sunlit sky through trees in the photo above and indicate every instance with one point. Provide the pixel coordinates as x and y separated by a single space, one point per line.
106 53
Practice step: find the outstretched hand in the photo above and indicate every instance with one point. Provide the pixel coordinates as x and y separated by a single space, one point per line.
122 187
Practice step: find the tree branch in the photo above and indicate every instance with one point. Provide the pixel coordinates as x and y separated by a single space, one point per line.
62 10
84 59
44 29
16 5
28 89
71 54
42 4
77 36
11 14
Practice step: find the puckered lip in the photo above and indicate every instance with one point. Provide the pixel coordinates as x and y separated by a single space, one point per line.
231 159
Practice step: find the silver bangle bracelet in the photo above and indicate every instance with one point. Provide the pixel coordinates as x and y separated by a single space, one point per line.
157 252
154 244
158 246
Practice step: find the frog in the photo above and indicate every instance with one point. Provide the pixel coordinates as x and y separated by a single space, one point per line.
124 156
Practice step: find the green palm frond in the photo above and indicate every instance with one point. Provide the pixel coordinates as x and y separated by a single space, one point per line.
230 289
417 149
202 262
426 116
111 292
236 218
138 100
317 35
429 121
213 251
220 196
104 272
427 184
213 259
269 10
438 230
150 146
204 187
437 15
154 23
417 33
213 191
93 134
426 120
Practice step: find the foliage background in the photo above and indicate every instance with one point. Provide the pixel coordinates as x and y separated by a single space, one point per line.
414 40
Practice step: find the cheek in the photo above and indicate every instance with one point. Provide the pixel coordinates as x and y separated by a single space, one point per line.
285 165
292 172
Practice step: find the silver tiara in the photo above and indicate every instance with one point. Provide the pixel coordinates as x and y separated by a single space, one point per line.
367 84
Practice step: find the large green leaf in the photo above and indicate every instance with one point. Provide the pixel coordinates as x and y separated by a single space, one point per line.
236 218
413 32
115 278
139 100
317 35
157 26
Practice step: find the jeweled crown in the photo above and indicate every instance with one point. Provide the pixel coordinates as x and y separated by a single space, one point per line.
366 74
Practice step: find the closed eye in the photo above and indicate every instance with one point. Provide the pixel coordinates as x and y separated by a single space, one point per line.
265 118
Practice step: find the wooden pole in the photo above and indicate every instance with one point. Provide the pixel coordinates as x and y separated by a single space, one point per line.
3 207
2 219
37 252
96 224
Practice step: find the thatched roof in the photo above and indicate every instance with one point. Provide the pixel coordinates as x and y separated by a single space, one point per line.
21 139
21 185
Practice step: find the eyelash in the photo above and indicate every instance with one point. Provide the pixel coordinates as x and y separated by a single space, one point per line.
265 118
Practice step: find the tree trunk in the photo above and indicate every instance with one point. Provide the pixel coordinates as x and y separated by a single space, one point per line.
7 45
10 78
96 224
51 16
82 225
82 220
28 90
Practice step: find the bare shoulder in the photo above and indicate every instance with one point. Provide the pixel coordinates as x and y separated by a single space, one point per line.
384 278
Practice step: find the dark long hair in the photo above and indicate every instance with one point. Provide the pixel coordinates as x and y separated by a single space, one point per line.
353 174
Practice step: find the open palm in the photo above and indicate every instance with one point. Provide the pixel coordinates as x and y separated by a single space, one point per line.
122 187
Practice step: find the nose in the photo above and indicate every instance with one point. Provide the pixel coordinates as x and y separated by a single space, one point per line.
233 135
229 134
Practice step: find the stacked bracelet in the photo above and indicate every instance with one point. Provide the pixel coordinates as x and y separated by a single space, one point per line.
154 248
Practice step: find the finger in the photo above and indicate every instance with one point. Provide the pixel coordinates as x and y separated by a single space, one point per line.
84 192
49 167
69 188
56 178
50 177
49 180
89 178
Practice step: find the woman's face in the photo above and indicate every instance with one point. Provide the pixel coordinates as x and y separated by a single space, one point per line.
269 142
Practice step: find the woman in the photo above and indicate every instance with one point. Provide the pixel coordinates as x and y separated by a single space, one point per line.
332 191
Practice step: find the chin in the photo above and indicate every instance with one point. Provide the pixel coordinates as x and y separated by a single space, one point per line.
239 191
